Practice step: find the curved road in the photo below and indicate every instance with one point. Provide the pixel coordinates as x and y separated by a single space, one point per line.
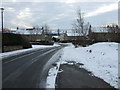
26 70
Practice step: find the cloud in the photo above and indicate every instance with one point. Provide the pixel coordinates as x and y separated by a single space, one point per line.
25 13
66 1
21 24
10 9
103 9
57 17
55 14
70 1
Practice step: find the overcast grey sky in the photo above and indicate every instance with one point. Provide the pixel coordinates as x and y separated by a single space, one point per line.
58 14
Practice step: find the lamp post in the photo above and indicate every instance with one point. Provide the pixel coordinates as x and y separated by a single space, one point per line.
2 9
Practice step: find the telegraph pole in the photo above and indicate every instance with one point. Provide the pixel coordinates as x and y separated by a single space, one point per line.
2 9
58 32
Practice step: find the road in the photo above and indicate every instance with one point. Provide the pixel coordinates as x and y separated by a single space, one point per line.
26 70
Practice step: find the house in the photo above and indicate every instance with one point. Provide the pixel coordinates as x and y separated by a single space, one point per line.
38 37
63 37
71 37
105 35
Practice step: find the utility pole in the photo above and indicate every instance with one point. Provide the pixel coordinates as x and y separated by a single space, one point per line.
58 32
2 9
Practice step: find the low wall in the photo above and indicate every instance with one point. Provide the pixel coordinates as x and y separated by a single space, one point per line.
12 48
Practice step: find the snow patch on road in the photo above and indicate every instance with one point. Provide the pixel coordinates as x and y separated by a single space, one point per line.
100 58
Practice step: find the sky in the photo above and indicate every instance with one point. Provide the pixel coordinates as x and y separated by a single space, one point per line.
58 14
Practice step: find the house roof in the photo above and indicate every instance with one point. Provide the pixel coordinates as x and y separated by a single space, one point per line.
55 36
73 34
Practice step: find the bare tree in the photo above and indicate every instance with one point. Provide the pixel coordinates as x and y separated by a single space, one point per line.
47 32
74 30
80 22
79 26
31 31
37 31
46 29
86 29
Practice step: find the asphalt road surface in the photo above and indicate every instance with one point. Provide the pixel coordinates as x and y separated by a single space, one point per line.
75 77
26 70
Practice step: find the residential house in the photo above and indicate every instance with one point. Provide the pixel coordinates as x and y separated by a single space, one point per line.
38 37
63 37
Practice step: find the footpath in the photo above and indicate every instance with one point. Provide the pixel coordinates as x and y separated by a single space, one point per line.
74 77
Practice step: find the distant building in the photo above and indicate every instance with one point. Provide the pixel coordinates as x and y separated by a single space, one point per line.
39 37
71 37
95 34
110 34
63 37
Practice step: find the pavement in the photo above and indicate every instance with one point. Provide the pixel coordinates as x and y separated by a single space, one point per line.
75 77
26 70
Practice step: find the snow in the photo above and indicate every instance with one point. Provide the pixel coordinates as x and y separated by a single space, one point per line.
52 73
55 36
73 34
41 46
34 47
100 58
56 44
54 70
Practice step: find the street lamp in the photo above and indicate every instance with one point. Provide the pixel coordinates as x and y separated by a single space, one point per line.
2 9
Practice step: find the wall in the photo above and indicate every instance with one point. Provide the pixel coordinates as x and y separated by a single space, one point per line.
12 48
111 37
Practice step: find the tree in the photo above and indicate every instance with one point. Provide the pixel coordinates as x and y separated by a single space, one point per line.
31 31
79 25
86 29
47 32
37 30
80 22
58 32
46 29
80 28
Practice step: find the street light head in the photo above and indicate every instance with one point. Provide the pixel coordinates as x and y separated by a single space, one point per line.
2 8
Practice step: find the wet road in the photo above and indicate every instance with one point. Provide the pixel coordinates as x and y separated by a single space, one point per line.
26 70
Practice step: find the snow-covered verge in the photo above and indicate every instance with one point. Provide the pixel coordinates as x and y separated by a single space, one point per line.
54 70
34 47
100 58
45 46
52 74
